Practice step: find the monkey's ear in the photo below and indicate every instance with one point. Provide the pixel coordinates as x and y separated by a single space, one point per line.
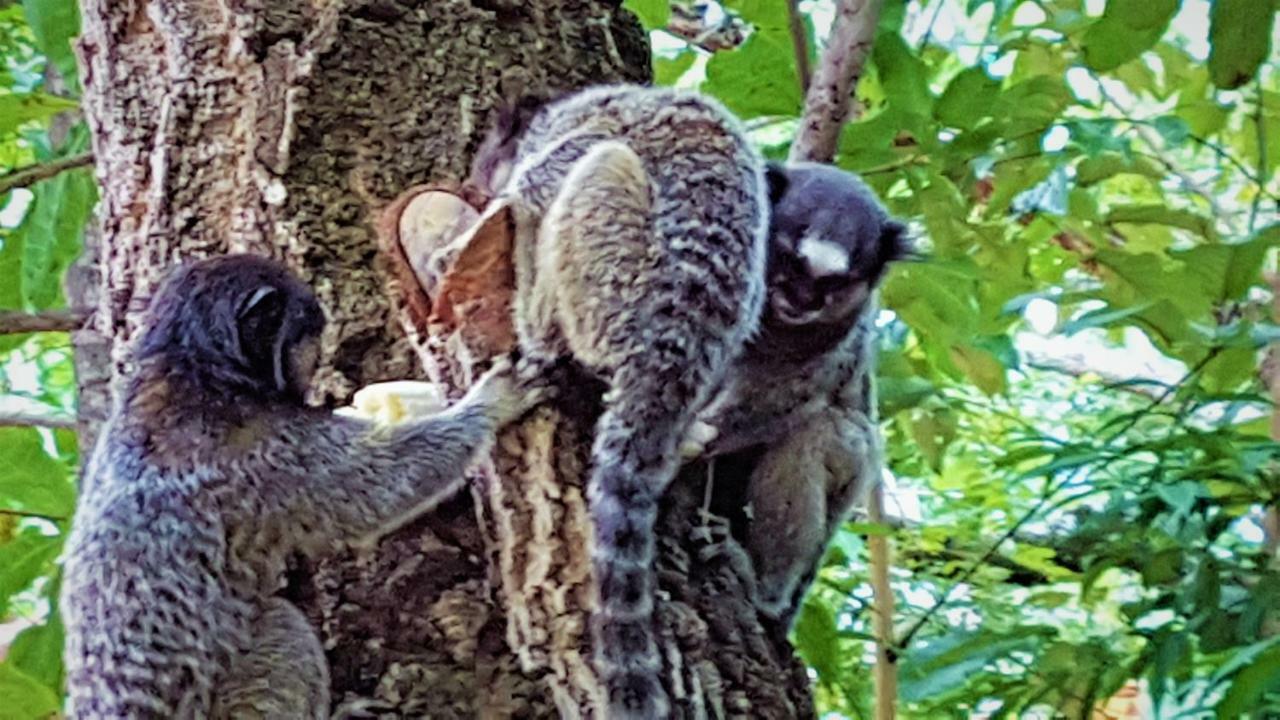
775 175
895 243
260 332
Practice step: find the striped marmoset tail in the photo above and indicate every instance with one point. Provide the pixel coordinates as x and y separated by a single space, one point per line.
210 472
640 221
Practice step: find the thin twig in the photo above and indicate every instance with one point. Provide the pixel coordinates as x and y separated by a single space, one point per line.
800 41
928 32
12 322
35 173
1260 126
23 418
886 671
37 516
826 105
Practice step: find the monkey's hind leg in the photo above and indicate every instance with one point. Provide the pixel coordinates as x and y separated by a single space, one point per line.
283 675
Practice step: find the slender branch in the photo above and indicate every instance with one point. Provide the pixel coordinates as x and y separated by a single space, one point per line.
928 32
23 418
38 516
827 103
33 174
1260 126
886 670
800 41
12 322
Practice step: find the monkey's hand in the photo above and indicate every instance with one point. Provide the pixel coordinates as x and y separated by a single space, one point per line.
509 390
392 402
694 444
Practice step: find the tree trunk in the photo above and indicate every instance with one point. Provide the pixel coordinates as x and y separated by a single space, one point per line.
284 128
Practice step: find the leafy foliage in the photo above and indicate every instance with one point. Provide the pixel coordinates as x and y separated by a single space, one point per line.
40 233
1081 498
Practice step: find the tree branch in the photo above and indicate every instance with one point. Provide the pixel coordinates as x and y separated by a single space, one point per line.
22 514
33 174
24 418
886 670
826 105
800 41
12 322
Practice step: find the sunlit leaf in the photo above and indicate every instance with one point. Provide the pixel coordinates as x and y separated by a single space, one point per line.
23 697
1125 30
16 109
30 480
1239 39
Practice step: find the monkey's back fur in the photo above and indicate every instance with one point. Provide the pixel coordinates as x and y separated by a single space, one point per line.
641 221
210 473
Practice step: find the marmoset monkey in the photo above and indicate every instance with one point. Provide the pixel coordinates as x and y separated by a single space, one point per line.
640 228
212 471
800 400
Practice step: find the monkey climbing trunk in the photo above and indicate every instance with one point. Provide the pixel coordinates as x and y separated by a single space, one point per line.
286 128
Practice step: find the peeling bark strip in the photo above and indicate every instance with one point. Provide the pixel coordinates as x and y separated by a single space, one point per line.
284 127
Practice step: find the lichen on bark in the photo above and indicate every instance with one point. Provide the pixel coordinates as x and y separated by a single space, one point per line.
284 127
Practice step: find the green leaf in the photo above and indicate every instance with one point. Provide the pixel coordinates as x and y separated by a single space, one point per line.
1096 168
1163 215
942 665
49 238
652 13
1034 104
904 75
1104 317
757 78
31 480
17 109
26 557
969 98
981 367
55 23
666 71
816 639
1239 39
1126 29
37 651
23 697
1248 686
764 14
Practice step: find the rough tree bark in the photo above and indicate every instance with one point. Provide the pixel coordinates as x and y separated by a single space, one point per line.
284 128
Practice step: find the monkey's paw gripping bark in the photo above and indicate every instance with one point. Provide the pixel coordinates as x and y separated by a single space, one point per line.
509 392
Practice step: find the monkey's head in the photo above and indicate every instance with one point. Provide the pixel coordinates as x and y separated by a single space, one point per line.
235 324
495 157
830 242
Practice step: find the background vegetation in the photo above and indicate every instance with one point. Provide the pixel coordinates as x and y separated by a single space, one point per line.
1072 385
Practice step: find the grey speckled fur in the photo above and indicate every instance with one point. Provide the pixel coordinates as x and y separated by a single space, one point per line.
804 389
209 474
641 219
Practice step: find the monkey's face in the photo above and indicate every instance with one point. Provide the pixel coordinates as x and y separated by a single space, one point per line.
236 325
830 244
303 361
